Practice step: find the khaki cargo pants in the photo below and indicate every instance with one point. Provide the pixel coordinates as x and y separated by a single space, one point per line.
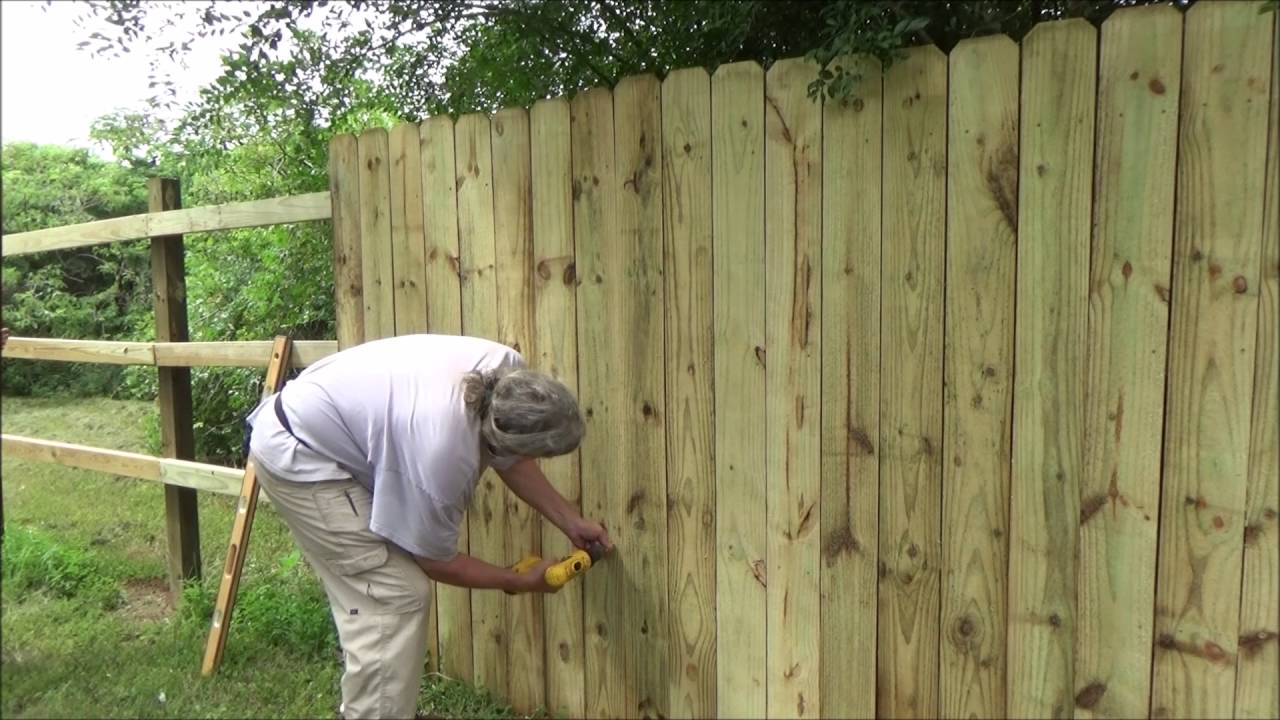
378 594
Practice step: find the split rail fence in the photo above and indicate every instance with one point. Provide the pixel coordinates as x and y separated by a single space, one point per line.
959 398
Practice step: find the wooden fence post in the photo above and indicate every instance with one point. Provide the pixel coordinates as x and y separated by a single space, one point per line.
168 278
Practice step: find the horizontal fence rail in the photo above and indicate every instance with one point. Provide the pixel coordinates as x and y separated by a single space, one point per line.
250 354
231 216
183 473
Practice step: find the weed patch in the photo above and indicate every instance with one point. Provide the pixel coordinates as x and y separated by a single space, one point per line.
35 562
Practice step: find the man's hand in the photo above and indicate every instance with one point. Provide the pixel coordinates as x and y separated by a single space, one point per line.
582 532
535 579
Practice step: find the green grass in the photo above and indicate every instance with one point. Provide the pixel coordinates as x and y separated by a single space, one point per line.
87 626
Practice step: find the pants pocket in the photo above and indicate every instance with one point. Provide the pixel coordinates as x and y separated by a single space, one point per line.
344 512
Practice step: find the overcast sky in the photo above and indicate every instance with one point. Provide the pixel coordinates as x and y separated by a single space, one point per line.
51 91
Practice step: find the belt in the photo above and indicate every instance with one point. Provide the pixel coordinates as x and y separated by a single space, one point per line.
284 420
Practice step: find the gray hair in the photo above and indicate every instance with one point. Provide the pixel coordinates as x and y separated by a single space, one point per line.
524 412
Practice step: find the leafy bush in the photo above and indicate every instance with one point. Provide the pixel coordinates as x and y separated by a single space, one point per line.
35 562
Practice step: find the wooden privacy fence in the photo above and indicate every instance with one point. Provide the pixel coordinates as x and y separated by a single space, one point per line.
958 398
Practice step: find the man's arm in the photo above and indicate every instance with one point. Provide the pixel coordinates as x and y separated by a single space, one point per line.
470 572
526 480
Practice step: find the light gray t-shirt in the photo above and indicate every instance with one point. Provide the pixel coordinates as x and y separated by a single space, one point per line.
390 414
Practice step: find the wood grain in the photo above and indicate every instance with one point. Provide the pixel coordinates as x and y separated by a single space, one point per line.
1258 663
555 283
1217 254
633 284
487 527
913 264
375 234
982 237
348 270
738 277
180 473
514 273
793 315
851 132
173 221
599 369
408 240
1128 335
1058 99
173 387
691 578
444 316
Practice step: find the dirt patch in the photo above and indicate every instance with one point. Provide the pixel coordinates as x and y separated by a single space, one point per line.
147 600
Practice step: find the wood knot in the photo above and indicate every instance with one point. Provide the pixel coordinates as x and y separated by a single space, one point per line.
688 148
1090 694
564 651
1240 285
858 105
647 410
1133 75
965 627
633 503
1042 170
1156 86
570 274
1127 270
989 371
544 270
1166 642
1055 620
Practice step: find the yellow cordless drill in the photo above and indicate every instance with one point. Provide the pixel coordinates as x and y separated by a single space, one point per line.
573 565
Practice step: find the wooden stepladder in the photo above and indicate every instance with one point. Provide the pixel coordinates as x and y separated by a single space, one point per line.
237 548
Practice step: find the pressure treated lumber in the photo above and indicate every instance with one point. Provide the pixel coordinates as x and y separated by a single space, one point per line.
487 521
348 269
738 277
555 284
1128 337
686 172
1258 662
982 236
599 383
180 473
1212 351
514 274
444 315
230 216
912 269
173 388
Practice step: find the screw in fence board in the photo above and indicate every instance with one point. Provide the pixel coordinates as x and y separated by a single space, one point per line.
174 394
237 548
